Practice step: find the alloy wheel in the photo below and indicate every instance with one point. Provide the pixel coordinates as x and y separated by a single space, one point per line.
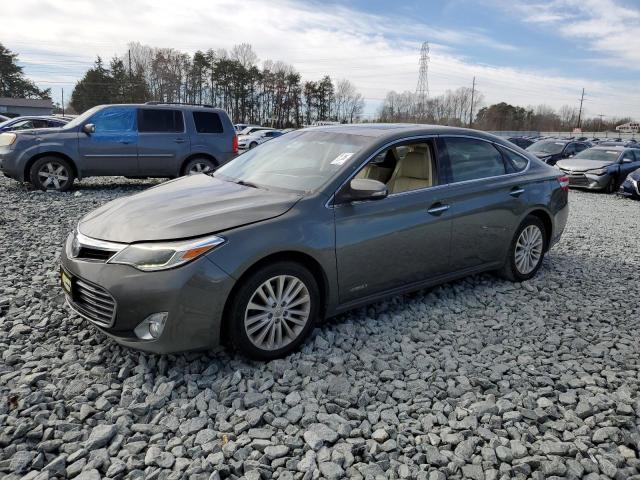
277 312
53 175
528 251
200 167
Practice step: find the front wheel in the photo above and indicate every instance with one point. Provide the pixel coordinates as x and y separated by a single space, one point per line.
52 173
274 310
611 186
253 145
526 250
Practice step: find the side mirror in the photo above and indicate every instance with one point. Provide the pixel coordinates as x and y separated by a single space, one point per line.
89 128
362 189
626 160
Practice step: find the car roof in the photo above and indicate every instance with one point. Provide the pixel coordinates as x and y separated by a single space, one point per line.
610 147
393 130
169 106
39 117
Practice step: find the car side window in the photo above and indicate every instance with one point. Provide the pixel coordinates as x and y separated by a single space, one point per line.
628 156
160 121
403 168
207 122
580 147
471 159
514 162
114 119
570 149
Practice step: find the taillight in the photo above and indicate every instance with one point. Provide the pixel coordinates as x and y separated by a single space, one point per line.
563 180
234 145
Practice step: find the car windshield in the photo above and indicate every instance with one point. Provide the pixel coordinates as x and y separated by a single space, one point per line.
79 120
599 155
546 146
300 161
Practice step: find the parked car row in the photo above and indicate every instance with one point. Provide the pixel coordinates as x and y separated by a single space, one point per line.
133 140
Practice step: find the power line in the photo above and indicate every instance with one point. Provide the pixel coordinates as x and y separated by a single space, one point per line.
422 89
580 112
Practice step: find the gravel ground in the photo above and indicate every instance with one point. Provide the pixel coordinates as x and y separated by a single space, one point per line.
478 379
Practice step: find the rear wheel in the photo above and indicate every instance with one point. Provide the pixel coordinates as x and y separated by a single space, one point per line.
526 251
253 145
52 173
199 165
274 310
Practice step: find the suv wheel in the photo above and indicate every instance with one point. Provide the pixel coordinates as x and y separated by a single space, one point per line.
274 310
199 165
52 173
526 251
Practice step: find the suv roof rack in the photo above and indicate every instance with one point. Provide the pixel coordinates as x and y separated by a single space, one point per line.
179 103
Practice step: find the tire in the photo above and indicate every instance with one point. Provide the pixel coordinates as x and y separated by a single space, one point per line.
252 145
199 165
250 329
523 266
52 173
611 186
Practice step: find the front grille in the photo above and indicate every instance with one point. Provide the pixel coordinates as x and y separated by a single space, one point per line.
94 302
579 180
88 253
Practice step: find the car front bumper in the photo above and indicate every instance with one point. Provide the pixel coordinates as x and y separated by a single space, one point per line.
588 181
630 188
193 295
9 163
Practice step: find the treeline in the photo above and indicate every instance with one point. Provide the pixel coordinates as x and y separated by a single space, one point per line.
454 109
272 94
13 83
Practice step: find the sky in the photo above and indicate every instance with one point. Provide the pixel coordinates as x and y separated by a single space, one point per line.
521 52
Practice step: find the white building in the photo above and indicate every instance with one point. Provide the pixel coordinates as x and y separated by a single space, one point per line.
631 127
14 107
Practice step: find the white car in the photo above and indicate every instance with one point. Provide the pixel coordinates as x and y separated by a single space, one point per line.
248 142
250 129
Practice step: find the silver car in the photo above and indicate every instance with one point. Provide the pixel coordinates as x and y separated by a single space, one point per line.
600 168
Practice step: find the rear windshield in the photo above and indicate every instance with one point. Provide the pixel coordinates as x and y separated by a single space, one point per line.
207 122
299 161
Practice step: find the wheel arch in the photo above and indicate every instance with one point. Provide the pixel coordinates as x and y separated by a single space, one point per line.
38 156
208 156
545 218
302 258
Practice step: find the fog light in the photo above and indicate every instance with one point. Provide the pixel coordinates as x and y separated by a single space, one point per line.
152 326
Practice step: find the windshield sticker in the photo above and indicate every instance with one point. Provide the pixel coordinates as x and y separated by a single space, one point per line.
613 152
340 159
559 143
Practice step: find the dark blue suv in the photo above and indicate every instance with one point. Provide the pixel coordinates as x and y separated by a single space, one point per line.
147 140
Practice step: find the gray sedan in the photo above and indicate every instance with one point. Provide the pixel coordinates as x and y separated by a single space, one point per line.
306 226
600 168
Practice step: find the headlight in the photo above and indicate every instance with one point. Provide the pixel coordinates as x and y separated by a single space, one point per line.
7 139
599 171
153 256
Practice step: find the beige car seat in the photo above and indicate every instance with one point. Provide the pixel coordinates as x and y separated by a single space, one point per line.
412 172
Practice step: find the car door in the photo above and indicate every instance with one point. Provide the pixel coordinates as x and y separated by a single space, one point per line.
163 143
629 162
112 148
486 198
401 239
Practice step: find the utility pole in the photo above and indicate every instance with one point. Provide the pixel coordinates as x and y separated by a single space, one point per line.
600 125
473 92
580 112
422 89
62 101
130 79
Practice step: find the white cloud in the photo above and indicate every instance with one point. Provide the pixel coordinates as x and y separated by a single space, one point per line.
607 27
58 40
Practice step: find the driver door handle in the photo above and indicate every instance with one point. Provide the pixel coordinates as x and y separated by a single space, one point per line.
516 191
180 140
438 208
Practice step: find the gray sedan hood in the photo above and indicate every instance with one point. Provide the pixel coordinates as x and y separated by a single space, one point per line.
580 165
187 207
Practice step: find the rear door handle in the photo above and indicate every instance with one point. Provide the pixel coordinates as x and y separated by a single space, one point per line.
516 191
438 209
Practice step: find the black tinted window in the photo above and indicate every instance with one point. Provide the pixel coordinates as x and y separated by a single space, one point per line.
472 159
207 122
514 162
160 120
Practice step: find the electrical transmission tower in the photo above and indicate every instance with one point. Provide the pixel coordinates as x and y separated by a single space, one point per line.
422 89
